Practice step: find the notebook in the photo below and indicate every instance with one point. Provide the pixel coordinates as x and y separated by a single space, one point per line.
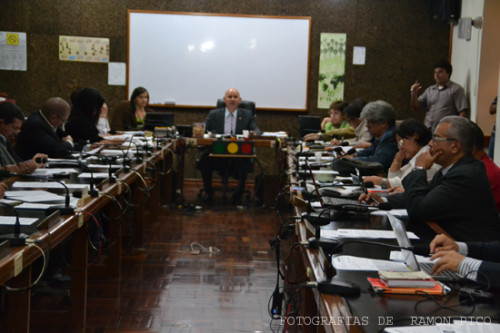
409 257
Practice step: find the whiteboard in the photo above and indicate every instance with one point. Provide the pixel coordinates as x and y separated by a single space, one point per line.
191 59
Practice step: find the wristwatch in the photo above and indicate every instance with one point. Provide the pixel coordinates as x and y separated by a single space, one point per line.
418 168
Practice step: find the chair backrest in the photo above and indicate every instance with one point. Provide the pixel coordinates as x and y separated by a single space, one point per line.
117 114
309 124
249 105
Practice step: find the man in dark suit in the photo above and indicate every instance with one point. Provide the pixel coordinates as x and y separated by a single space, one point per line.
43 131
11 119
460 257
228 121
380 120
459 197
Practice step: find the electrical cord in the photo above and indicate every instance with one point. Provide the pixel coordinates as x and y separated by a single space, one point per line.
117 202
441 306
197 248
118 218
42 272
146 188
128 199
174 161
101 240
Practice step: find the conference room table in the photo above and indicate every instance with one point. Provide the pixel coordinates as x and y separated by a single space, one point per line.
368 312
153 179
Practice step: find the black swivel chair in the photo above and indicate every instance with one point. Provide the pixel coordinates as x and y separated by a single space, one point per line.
309 124
249 105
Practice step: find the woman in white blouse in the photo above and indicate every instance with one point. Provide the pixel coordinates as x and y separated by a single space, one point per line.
103 123
412 137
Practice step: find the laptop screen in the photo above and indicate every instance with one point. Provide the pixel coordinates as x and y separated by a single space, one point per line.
403 241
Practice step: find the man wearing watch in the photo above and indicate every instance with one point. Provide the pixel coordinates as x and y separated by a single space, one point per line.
459 197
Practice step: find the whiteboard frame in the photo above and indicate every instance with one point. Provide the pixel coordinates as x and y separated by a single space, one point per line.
300 95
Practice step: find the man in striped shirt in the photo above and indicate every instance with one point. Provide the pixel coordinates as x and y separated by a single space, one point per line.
461 257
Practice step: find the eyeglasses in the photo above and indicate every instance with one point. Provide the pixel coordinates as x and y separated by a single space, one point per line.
63 120
371 123
441 139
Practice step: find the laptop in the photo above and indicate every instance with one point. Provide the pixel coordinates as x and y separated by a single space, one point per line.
409 257
336 202
158 119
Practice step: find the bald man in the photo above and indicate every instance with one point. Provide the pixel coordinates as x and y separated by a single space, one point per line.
229 121
43 131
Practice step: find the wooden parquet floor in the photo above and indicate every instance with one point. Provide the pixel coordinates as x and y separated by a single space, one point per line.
164 287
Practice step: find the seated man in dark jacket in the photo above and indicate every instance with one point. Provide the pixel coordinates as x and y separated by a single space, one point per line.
11 120
228 121
43 131
459 197
380 120
468 259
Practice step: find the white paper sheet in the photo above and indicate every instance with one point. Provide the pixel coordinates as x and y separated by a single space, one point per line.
51 171
351 263
117 73
362 233
34 196
48 185
105 166
398 256
13 51
10 220
96 175
395 212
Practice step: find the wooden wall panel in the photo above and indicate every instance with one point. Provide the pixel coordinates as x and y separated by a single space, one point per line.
402 44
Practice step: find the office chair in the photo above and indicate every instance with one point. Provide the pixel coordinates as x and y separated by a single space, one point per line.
249 105
309 124
116 115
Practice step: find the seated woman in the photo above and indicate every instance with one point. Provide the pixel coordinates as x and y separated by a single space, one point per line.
103 123
333 126
133 118
412 137
82 123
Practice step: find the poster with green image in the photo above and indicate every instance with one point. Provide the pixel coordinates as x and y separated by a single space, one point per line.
331 69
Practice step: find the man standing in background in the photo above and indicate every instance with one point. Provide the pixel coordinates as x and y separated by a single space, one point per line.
445 98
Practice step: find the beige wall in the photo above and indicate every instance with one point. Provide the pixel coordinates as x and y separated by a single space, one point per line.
465 55
489 63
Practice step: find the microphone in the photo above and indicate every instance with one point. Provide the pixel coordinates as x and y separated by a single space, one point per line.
385 206
351 151
109 160
65 210
344 212
305 153
16 238
92 191
368 184
331 246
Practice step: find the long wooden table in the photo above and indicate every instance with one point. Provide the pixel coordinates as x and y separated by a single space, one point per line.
16 267
368 312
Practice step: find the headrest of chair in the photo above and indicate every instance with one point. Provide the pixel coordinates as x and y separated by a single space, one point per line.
249 105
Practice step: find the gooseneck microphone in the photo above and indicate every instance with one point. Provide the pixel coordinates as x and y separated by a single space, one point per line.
16 238
66 209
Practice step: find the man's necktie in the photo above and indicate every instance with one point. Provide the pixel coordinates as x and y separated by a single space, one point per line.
228 127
